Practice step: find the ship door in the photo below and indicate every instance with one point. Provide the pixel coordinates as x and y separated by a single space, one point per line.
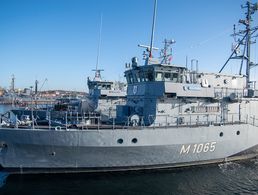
224 112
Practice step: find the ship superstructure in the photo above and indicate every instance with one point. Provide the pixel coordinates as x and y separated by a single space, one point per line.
106 95
179 95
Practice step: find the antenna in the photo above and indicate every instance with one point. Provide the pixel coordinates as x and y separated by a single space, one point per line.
245 41
97 71
147 47
100 34
166 52
153 28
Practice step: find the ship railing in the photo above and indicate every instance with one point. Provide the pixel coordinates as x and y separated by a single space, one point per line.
160 121
166 121
69 120
226 92
252 120
194 120
83 121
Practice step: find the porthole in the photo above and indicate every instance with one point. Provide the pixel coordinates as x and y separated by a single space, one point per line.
134 140
120 141
3 145
238 132
221 134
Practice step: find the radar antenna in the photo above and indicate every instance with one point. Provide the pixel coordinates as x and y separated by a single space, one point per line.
166 52
244 39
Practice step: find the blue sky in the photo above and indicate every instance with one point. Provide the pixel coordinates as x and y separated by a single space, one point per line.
58 39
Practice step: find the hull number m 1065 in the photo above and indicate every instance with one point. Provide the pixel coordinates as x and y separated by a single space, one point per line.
198 148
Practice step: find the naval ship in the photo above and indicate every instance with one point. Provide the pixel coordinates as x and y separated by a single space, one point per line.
101 101
105 95
173 117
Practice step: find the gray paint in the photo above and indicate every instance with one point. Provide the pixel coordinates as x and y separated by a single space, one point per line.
92 149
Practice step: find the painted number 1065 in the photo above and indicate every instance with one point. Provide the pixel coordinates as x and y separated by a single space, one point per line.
198 148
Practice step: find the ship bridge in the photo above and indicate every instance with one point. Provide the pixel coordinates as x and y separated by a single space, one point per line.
155 72
149 86
167 80
146 84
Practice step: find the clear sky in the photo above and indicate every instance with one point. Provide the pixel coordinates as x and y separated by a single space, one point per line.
58 39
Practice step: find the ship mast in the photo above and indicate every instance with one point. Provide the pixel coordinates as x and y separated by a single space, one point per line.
251 8
97 71
153 28
149 48
245 41
166 52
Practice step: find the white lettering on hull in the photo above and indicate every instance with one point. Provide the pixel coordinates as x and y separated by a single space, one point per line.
198 148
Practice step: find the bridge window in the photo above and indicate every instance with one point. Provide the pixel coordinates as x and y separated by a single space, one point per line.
127 79
130 78
175 77
148 76
108 87
159 76
105 86
141 75
136 77
167 76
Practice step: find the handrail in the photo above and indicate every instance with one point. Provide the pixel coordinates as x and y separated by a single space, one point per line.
158 121
221 92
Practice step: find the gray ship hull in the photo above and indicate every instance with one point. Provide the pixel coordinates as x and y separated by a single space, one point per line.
27 150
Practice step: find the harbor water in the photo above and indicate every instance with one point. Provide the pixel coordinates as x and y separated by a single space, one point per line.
225 178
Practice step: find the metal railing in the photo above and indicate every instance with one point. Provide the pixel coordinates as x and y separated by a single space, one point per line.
226 92
93 121
193 120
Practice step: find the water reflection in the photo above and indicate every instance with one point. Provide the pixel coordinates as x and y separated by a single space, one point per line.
3 177
231 178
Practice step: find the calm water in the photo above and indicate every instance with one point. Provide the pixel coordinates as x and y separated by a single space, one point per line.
226 178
